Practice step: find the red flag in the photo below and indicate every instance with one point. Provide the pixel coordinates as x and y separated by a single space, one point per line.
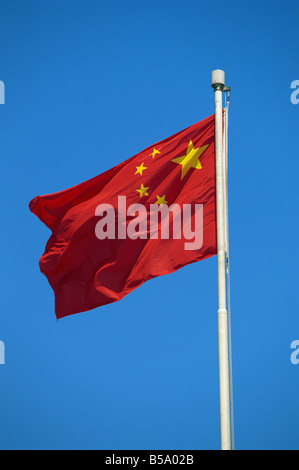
103 245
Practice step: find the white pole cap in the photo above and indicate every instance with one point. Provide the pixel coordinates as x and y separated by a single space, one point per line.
218 78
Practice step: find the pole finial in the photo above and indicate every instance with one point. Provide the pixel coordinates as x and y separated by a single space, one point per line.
218 79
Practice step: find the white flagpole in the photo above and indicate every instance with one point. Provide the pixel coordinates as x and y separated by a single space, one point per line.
218 83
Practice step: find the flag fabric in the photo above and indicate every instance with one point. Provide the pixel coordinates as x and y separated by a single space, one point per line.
87 268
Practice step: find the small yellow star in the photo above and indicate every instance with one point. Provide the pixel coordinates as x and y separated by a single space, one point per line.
142 191
161 200
140 169
154 153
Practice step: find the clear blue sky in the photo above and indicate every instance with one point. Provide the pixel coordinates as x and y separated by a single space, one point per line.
88 84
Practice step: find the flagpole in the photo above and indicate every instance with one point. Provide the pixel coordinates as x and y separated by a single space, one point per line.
218 83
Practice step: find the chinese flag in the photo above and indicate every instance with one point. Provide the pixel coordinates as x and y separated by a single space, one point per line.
86 272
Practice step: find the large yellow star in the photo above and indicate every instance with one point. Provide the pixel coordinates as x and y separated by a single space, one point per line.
142 191
161 200
191 159
140 169
154 153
